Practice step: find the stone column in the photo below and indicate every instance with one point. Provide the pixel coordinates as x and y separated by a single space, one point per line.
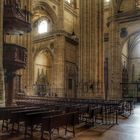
2 92
91 49
10 96
59 69
114 58
30 61
60 25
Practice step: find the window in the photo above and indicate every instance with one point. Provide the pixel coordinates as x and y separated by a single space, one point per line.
69 1
43 27
106 3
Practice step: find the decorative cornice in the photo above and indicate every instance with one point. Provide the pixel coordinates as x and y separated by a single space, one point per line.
57 2
71 40
124 17
52 35
70 9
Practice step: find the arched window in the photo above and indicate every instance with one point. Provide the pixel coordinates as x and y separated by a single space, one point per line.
106 3
43 27
68 1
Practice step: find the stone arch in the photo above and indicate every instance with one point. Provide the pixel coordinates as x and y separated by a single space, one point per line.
129 36
135 40
132 48
43 68
46 7
43 48
132 29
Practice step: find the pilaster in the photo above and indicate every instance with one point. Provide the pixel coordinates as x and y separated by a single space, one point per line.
61 16
2 92
59 69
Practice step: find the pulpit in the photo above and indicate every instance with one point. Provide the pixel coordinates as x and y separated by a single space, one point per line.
16 19
16 22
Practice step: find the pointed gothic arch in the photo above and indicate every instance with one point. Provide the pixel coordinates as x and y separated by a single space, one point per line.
41 5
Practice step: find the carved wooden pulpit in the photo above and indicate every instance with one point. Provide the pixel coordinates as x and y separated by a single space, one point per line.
16 22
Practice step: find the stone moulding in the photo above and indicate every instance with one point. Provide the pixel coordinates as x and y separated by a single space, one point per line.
124 17
68 36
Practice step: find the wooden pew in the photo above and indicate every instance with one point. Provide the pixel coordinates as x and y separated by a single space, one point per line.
35 119
57 121
18 117
92 115
6 114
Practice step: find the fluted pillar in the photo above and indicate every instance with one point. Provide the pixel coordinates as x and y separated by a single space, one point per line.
91 49
60 25
2 93
114 58
59 66
30 66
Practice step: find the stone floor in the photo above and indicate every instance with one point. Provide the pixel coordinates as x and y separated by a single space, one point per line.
128 129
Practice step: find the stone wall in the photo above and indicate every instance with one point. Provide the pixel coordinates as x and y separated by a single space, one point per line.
64 22
86 61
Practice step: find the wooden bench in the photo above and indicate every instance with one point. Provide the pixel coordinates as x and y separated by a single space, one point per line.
6 115
55 122
35 119
18 117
